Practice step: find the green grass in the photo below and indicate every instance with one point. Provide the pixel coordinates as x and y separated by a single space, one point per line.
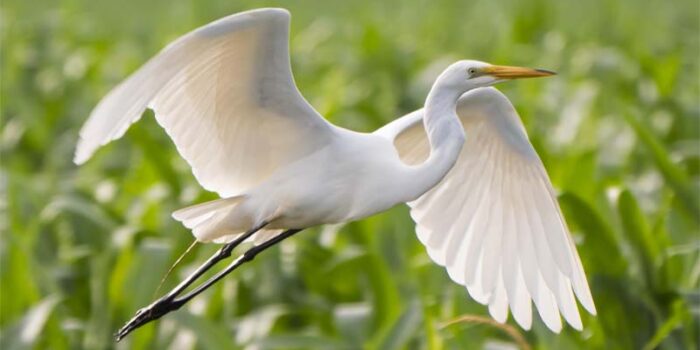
618 130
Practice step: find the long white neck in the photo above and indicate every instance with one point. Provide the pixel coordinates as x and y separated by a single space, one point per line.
446 137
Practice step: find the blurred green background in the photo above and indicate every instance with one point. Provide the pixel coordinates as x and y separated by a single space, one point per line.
618 130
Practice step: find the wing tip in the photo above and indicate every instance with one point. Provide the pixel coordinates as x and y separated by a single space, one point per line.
498 315
553 323
238 20
589 305
280 11
270 13
477 294
522 315
555 328
526 323
577 326
583 293
77 160
82 153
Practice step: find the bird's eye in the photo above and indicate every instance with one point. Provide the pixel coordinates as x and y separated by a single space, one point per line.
471 71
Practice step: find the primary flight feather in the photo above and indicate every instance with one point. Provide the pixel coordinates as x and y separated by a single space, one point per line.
481 199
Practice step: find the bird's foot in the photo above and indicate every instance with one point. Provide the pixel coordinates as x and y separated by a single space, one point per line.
147 314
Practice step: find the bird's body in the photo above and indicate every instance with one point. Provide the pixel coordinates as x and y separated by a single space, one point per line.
351 176
343 191
480 196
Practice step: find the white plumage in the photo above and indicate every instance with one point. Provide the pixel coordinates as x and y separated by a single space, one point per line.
226 96
494 221
483 204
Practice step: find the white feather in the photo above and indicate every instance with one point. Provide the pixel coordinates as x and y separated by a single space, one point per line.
498 304
225 86
494 221
484 208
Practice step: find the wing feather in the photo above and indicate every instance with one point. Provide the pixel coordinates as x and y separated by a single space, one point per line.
494 221
226 96
498 303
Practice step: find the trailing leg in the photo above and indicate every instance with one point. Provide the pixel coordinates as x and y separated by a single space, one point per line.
169 302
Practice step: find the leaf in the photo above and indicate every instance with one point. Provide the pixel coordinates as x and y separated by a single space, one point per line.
678 314
27 331
352 321
404 328
671 172
98 332
511 331
258 324
598 236
297 341
151 263
433 339
639 235
154 154
79 207
210 335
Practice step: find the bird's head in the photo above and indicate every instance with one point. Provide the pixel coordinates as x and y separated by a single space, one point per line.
468 74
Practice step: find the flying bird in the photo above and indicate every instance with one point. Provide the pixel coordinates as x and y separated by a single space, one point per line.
483 204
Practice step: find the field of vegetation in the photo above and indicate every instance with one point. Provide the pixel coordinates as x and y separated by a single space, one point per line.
81 249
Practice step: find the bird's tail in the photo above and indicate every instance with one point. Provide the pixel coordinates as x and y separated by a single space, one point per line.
208 220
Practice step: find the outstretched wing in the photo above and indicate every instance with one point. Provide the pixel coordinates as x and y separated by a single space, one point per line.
226 96
494 221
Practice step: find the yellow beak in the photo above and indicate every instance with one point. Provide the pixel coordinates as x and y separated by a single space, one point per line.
508 72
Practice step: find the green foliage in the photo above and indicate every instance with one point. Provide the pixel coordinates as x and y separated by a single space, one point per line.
618 130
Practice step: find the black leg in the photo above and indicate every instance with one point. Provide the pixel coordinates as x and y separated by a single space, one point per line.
242 259
221 254
170 302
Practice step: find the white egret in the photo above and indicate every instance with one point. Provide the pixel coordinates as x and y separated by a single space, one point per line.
483 205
